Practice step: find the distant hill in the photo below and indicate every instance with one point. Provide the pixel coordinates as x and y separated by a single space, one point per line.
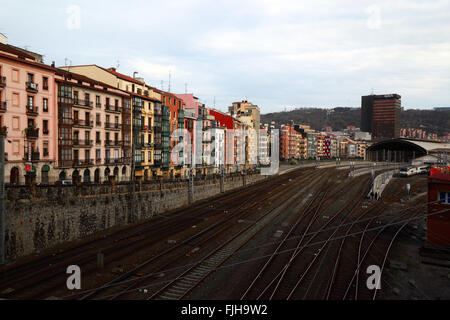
432 121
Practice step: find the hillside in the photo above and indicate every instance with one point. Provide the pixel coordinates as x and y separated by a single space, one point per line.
338 118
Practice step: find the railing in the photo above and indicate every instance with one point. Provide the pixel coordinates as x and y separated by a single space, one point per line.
3 106
65 163
98 142
98 123
32 87
114 126
2 81
45 131
82 163
34 156
32 110
112 108
108 142
84 142
32 132
109 161
83 103
83 123
98 104
117 142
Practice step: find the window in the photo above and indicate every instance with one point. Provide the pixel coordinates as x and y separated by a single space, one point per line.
30 101
45 148
97 154
87 98
45 105
30 77
45 126
107 101
45 83
149 156
87 155
75 97
97 101
97 136
444 197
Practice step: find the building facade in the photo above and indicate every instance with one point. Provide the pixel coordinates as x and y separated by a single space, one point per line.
27 112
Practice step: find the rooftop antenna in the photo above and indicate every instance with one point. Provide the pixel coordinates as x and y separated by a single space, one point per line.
169 81
67 62
214 103
162 84
185 88
372 92
118 64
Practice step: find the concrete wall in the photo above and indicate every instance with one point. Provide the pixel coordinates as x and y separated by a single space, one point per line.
41 217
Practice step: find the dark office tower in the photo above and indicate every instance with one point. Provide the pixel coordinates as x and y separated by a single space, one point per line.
380 115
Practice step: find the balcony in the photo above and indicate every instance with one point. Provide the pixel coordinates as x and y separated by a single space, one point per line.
112 126
32 110
117 142
126 110
146 128
3 106
82 143
109 161
32 132
86 104
114 109
45 131
2 82
32 87
35 156
82 163
108 143
98 142
98 123
83 123
126 160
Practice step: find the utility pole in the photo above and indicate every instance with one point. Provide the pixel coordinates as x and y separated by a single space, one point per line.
133 169
3 199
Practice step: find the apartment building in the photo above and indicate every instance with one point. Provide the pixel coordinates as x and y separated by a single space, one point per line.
92 137
28 115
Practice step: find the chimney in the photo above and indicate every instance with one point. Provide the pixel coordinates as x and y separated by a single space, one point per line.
53 64
112 69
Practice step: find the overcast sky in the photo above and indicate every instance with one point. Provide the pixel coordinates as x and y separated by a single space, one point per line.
277 54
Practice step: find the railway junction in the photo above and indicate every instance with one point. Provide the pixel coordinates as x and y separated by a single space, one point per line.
307 233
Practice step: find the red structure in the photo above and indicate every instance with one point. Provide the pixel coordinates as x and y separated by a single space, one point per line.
438 224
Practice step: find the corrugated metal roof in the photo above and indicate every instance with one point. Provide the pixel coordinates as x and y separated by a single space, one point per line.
429 145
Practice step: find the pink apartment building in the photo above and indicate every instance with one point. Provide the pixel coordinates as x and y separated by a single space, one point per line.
27 110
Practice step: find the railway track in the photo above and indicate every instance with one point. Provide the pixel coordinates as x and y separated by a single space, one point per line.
51 269
116 289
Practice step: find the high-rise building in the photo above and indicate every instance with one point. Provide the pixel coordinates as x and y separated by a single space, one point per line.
380 115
